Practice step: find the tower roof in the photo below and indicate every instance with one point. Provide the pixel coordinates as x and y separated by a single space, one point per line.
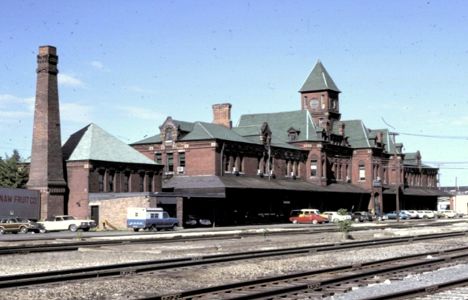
319 80
93 143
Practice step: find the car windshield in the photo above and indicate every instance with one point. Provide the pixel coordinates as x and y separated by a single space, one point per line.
295 213
68 218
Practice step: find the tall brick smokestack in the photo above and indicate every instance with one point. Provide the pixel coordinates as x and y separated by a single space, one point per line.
222 114
46 169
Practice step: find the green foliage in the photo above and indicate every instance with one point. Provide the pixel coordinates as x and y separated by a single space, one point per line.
342 211
344 226
13 173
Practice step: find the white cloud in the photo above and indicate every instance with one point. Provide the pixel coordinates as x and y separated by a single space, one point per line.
141 113
74 112
97 65
13 107
68 80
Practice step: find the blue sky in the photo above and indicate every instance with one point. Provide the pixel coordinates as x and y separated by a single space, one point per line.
127 65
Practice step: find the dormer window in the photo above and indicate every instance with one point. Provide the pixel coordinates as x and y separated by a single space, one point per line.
293 134
168 134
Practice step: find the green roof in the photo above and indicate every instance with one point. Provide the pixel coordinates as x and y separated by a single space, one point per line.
357 133
209 131
387 139
151 140
93 143
279 123
319 80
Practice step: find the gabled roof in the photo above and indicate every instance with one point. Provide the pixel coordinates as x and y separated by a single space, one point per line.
151 140
93 143
181 125
210 131
319 80
387 139
279 123
357 133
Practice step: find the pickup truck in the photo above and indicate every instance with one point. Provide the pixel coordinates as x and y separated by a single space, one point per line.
151 218
66 222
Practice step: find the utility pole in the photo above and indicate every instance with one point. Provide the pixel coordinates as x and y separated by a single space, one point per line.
397 177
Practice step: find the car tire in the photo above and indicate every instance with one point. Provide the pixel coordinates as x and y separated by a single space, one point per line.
42 230
136 229
86 229
294 222
73 228
23 229
314 222
2 230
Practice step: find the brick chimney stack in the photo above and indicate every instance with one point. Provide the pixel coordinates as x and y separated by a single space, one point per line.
222 114
46 169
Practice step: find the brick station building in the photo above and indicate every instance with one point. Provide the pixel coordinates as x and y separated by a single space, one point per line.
271 163
93 174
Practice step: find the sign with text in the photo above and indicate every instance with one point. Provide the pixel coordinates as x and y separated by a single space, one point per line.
20 203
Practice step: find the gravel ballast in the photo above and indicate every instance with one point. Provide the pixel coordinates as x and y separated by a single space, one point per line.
173 281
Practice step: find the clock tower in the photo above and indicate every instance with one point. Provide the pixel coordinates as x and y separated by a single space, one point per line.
320 96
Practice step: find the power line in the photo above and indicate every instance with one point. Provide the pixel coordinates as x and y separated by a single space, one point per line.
452 137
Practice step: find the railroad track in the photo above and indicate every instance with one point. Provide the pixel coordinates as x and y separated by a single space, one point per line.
126 269
335 281
75 245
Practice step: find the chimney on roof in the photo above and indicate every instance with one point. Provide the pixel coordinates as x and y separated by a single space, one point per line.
46 169
341 129
222 114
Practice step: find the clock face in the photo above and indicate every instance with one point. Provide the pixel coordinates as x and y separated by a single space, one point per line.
314 103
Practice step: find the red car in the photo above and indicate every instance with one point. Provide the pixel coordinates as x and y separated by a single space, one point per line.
307 216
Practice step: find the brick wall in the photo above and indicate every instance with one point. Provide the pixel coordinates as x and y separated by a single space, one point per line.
114 211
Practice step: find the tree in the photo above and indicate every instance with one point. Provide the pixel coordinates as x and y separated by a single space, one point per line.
13 173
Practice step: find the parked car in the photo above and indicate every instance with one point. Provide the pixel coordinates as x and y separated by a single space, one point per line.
32 225
393 215
447 214
361 216
426 214
412 213
13 225
66 222
194 221
307 216
334 216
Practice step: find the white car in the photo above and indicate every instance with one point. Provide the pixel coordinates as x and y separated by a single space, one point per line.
448 213
425 214
67 222
333 216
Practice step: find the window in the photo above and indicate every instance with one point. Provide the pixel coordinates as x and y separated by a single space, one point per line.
292 136
313 168
362 171
170 162
149 183
169 134
158 158
101 182
126 181
181 159
142 182
110 182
